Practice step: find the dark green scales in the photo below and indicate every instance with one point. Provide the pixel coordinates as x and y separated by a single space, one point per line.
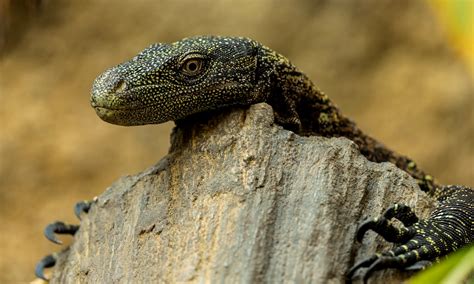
174 81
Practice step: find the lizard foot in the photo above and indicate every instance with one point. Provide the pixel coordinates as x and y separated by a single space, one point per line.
419 242
59 227
47 262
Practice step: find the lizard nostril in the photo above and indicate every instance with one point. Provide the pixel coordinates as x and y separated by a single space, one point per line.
120 86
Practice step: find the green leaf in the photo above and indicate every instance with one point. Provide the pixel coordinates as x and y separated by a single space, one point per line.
456 268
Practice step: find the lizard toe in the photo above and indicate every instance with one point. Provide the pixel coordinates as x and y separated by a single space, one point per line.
46 262
82 207
59 227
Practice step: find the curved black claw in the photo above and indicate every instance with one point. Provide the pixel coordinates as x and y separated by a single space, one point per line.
47 262
449 227
82 207
59 228
364 263
420 265
388 231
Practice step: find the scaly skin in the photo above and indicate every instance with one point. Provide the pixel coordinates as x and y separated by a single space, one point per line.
174 81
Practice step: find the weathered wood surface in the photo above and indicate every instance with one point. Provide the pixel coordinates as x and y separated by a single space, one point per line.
238 199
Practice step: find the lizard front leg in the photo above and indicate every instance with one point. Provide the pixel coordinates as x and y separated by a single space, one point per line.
59 227
450 226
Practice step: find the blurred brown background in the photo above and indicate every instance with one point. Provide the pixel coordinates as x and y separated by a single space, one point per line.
393 66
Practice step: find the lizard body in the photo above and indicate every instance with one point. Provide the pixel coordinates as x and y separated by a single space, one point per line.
150 88
174 81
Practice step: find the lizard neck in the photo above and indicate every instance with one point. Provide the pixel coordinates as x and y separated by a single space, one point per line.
301 107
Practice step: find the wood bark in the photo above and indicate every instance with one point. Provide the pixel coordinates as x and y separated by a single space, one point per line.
239 199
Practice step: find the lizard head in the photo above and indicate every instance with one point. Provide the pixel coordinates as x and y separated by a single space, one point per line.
172 81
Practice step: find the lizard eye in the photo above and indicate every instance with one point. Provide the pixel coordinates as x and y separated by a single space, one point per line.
192 66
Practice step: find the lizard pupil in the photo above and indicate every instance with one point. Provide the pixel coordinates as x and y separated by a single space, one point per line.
192 67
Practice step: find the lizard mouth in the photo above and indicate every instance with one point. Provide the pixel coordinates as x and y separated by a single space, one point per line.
111 111
104 102
123 117
118 99
104 112
107 107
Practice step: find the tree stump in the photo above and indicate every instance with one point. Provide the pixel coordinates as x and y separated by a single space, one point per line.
239 199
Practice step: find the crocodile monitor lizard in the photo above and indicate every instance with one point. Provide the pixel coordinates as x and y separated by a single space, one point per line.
173 81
